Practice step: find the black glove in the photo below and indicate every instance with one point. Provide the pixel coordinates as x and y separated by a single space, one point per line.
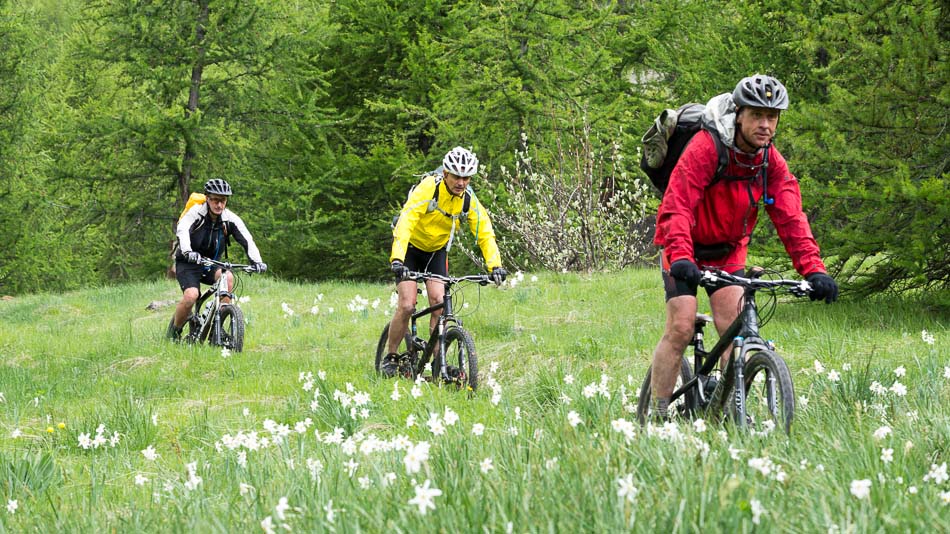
400 270
686 271
498 275
260 267
822 287
193 257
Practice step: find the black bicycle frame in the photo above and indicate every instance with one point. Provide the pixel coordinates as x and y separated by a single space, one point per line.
215 310
438 333
743 336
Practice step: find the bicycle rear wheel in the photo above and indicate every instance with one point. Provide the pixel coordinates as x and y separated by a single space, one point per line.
460 355
770 395
684 406
405 347
231 335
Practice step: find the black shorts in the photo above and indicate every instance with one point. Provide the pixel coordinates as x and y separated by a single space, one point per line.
675 287
193 275
427 262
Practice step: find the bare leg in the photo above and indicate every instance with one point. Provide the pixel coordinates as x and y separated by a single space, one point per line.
436 292
404 308
725 308
680 320
183 309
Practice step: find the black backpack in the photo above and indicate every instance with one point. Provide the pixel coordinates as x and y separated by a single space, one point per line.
666 139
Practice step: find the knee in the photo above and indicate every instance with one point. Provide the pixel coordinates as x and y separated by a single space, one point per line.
406 307
679 334
189 296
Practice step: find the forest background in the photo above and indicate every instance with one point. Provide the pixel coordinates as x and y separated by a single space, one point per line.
321 113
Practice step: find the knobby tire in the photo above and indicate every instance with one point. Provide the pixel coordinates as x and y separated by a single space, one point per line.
770 394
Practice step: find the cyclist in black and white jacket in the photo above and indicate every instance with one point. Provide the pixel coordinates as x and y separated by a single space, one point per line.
204 232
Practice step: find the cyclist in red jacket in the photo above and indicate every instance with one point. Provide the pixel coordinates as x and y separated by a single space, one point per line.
710 224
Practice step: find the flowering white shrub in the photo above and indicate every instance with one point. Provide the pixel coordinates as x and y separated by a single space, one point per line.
580 211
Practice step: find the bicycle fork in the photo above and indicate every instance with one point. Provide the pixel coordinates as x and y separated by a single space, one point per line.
734 373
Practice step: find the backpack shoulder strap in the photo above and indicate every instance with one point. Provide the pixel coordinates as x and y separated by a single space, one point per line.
467 204
722 153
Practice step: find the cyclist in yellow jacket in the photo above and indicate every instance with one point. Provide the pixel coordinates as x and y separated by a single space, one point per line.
423 235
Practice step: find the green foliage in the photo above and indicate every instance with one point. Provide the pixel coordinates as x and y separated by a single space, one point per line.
872 143
320 115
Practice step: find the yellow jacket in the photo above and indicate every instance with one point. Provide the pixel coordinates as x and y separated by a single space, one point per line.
429 230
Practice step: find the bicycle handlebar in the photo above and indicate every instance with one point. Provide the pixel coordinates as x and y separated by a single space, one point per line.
228 266
718 278
480 279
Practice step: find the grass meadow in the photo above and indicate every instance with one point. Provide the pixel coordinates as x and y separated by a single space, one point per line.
105 427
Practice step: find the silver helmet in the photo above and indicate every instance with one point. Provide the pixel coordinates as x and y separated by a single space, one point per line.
762 91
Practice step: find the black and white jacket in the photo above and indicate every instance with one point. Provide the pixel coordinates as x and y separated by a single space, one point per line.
197 232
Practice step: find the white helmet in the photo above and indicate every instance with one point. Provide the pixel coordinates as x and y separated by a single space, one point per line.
460 162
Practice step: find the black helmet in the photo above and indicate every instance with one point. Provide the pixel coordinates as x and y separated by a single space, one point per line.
217 186
761 91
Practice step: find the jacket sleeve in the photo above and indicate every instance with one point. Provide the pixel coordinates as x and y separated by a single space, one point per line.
480 224
414 208
242 235
677 214
790 220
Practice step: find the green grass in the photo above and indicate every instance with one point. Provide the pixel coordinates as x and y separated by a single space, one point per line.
97 357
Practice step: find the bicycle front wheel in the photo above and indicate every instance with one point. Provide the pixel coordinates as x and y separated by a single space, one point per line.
405 347
231 335
684 406
770 395
460 358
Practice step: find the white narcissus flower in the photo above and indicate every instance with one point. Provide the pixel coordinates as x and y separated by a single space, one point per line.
887 455
757 510
938 474
425 497
626 490
149 453
882 432
573 418
281 508
898 389
861 488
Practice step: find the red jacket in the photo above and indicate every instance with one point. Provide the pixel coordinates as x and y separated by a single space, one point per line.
692 212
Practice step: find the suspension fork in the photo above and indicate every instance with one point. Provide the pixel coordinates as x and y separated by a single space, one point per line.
441 328
738 363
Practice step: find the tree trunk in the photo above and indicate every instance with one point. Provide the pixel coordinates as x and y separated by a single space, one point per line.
184 177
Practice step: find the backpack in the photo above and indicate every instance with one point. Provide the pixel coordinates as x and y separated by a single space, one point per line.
664 142
434 203
193 199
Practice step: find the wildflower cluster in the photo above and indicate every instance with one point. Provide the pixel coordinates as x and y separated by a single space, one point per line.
86 442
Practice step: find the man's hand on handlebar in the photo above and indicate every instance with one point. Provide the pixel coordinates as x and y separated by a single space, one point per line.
822 287
498 275
400 271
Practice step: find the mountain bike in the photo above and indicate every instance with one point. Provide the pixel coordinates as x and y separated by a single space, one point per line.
460 364
220 324
755 388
